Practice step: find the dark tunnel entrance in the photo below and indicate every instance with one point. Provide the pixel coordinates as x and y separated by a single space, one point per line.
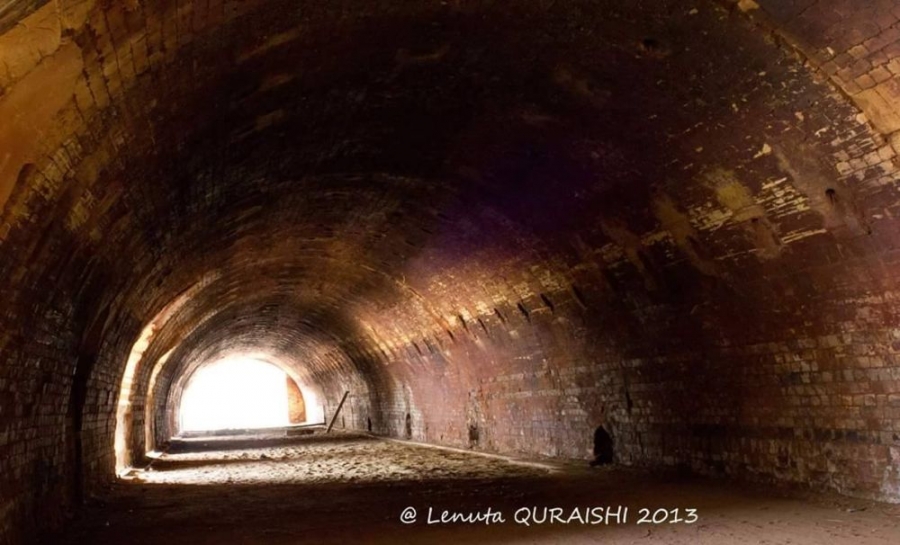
603 447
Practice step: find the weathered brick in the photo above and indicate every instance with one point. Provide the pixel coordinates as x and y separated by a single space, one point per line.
499 234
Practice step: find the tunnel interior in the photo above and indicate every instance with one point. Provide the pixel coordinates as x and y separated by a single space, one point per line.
656 235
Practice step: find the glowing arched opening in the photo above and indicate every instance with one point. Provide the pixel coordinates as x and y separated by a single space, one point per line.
123 443
236 393
124 409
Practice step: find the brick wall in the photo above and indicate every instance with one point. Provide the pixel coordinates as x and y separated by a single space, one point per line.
296 406
676 220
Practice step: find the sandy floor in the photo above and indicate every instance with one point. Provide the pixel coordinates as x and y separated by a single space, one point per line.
276 490
317 459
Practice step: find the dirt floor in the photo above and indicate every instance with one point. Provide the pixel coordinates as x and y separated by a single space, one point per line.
343 488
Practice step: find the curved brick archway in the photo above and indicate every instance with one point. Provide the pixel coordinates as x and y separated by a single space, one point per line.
675 220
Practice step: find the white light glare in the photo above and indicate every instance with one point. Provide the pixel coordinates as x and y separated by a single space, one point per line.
234 394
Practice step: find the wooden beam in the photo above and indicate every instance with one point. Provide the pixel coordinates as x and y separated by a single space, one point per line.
338 411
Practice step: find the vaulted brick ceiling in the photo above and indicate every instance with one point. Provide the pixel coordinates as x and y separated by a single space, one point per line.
665 217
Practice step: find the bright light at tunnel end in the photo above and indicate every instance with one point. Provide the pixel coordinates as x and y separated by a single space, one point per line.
235 393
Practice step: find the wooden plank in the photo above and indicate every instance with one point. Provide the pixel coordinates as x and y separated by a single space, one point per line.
338 411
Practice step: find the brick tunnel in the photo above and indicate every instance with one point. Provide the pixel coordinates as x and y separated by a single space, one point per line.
561 254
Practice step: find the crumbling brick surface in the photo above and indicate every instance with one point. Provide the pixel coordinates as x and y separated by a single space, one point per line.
676 220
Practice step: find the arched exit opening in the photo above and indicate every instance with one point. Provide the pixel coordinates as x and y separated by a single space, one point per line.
240 393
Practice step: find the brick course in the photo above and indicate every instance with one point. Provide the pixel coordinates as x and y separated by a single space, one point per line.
675 220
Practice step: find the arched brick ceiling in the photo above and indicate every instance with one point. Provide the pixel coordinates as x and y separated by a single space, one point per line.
586 211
